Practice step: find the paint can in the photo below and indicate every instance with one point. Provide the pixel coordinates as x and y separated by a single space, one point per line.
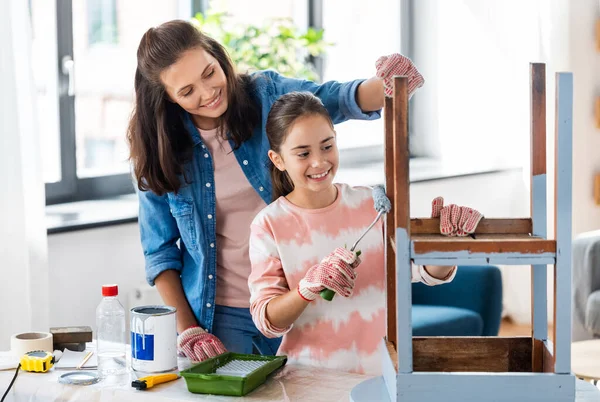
153 339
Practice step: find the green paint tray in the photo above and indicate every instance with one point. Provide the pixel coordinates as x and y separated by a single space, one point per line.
231 374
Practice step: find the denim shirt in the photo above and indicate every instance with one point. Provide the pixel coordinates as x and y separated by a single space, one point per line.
178 231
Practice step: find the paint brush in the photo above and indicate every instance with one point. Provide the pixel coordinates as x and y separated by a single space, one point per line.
85 359
382 205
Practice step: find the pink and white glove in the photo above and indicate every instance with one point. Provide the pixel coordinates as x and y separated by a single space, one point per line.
198 345
455 220
335 272
397 64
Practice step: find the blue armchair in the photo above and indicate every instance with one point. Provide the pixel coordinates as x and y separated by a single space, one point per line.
471 305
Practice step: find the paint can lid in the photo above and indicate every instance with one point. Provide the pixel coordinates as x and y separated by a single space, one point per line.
110 290
79 378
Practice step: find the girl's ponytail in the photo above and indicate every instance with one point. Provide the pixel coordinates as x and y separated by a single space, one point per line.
281 182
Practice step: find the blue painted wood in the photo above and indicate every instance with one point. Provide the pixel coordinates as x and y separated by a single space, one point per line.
370 390
388 370
495 260
538 204
522 261
563 211
466 254
539 274
450 261
486 387
404 301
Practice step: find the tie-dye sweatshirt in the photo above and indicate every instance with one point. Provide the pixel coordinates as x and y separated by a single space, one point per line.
286 241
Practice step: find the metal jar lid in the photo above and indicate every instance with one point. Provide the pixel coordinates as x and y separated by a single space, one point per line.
79 378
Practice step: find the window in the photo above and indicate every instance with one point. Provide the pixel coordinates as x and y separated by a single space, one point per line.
361 33
265 37
84 64
250 12
474 107
102 21
85 59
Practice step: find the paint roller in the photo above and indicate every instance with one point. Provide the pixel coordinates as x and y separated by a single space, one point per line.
382 205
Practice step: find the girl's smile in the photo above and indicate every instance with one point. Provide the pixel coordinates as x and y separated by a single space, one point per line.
319 176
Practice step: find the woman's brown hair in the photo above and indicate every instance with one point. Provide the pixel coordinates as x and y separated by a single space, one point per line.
283 114
158 141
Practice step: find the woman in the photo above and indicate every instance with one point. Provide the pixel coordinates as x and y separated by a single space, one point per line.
199 152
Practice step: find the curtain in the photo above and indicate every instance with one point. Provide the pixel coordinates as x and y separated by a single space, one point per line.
23 242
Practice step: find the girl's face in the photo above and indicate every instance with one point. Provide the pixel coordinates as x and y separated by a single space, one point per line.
197 83
309 154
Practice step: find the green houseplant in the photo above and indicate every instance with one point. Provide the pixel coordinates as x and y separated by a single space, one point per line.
276 44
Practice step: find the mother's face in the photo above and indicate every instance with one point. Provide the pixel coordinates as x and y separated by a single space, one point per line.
198 84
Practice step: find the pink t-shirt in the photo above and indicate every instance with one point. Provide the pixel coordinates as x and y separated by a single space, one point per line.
286 241
237 204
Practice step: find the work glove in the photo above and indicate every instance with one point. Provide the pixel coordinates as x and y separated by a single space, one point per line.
198 345
335 272
455 220
397 64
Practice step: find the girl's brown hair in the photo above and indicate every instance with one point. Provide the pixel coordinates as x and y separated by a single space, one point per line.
158 141
284 113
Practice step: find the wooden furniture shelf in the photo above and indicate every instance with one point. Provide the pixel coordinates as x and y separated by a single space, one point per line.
486 226
484 369
524 244
482 354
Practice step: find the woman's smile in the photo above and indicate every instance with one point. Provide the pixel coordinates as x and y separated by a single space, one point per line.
213 103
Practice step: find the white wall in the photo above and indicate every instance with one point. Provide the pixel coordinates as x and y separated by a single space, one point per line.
584 61
82 261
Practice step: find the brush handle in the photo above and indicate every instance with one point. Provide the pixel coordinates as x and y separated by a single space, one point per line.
328 294
367 230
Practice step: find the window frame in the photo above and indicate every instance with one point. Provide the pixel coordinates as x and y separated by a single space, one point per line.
70 187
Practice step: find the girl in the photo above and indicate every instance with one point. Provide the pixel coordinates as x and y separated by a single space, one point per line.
291 247
198 148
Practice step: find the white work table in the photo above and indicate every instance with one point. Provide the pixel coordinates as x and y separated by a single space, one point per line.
291 383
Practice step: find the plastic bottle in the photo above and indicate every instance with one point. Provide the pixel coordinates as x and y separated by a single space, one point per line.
111 336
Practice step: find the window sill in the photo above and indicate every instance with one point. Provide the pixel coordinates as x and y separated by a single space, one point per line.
73 216
421 170
82 215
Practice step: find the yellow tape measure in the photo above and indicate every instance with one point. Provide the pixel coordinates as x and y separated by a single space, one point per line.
38 361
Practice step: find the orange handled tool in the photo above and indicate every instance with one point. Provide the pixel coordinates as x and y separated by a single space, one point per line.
152 380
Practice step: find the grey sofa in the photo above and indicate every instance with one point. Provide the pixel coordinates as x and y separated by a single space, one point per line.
586 281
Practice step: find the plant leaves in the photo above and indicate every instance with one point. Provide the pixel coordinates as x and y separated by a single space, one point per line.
276 44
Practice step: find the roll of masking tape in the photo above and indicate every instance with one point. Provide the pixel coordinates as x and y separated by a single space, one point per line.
28 341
